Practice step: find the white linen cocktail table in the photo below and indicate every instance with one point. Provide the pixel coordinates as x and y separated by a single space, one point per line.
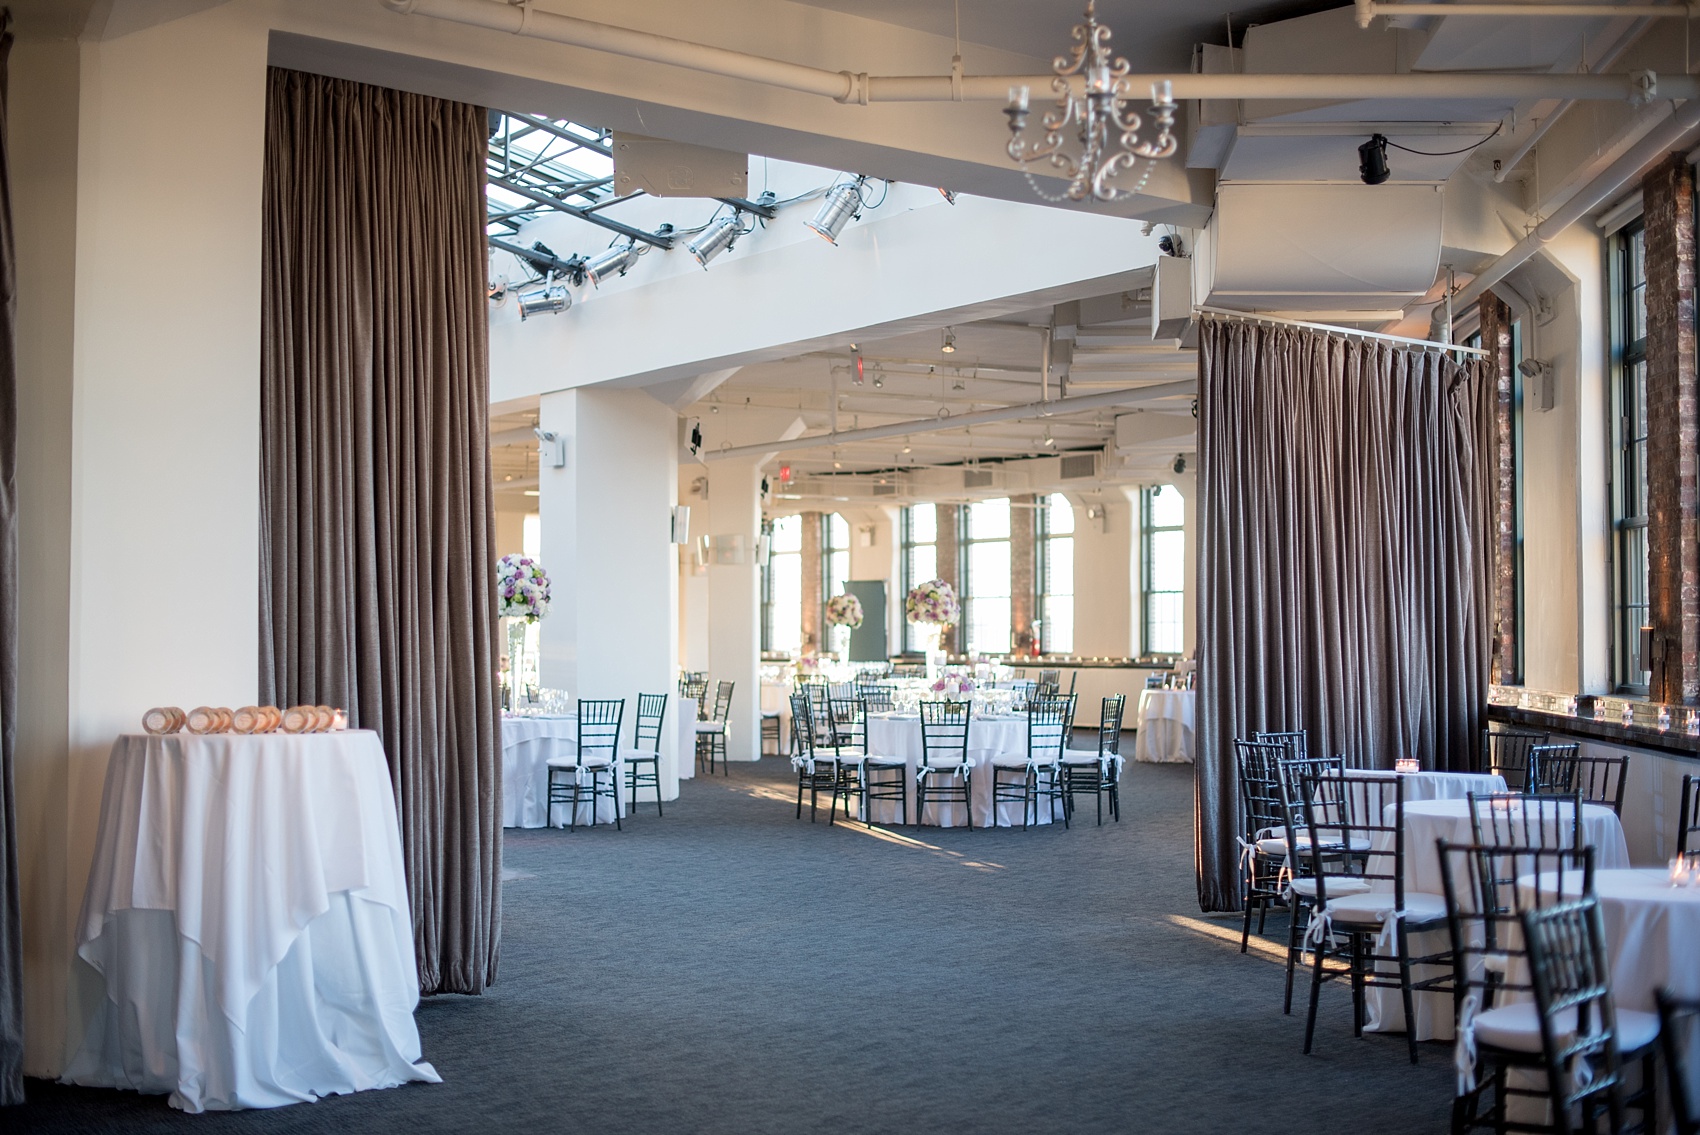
1165 726
247 920
1426 822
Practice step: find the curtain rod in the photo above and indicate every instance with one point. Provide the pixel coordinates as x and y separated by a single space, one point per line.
1253 317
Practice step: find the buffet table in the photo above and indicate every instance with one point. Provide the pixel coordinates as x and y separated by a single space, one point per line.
899 735
246 919
1165 726
528 744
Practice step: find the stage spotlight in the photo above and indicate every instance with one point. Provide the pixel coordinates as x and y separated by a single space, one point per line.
614 262
546 301
1372 160
842 205
715 239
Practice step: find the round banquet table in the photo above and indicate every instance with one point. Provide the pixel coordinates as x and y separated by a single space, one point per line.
246 918
1427 821
899 735
528 743
1165 726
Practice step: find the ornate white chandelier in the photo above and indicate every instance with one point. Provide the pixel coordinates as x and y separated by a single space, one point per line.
1106 125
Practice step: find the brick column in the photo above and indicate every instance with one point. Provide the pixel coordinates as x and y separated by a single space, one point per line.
812 583
1673 421
949 526
1496 339
1023 570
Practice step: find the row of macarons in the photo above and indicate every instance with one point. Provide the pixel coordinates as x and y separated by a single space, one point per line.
248 719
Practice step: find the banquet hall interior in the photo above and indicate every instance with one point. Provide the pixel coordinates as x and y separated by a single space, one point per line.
763 565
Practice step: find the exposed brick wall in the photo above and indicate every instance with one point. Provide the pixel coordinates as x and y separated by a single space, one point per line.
1673 419
1023 570
1496 339
812 582
950 525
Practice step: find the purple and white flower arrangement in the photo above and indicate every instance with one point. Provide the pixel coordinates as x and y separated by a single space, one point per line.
955 687
522 588
844 611
933 603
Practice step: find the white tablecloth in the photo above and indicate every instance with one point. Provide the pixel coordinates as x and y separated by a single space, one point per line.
247 918
1650 931
899 735
1438 785
528 743
1165 726
1426 822
688 710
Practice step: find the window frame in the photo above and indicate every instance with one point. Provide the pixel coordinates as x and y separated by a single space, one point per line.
1043 536
965 543
911 640
1146 531
1626 469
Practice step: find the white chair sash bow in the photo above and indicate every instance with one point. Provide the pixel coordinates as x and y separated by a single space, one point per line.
1464 1048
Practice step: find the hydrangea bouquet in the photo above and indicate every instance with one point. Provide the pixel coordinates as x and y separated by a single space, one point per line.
953 686
844 611
932 603
522 588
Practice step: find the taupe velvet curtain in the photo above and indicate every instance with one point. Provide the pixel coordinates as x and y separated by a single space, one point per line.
377 535
11 935
1344 551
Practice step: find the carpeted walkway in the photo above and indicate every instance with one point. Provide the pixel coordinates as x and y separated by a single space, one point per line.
731 969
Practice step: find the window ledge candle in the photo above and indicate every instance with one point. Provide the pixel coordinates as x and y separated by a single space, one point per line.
1407 765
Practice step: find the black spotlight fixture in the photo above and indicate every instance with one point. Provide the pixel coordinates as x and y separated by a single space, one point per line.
1372 160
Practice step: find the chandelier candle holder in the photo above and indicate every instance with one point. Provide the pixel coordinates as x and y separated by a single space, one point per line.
522 597
1101 119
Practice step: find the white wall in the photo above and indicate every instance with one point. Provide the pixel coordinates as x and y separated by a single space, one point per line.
734 600
160 584
1106 577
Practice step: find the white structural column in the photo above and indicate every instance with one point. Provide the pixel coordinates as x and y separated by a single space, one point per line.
612 628
732 523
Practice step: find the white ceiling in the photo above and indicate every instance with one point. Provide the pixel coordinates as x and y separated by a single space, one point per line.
1154 35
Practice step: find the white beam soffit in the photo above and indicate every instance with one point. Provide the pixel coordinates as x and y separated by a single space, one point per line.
862 88
918 426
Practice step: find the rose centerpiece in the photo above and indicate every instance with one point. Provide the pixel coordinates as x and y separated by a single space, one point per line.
933 604
522 597
844 611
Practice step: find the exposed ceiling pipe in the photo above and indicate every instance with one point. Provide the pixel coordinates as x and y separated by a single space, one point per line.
1024 412
1671 134
1504 166
1370 9
860 87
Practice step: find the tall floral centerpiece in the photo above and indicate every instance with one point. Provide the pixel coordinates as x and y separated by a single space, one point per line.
844 611
522 597
933 606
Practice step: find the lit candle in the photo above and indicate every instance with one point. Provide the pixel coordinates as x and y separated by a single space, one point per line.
1018 99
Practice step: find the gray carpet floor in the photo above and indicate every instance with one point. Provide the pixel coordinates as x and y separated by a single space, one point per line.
731 969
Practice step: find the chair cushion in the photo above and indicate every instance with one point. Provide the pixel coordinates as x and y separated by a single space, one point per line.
886 762
1517 1027
574 762
639 755
1080 756
1338 885
1373 906
1009 760
943 764
711 727
770 715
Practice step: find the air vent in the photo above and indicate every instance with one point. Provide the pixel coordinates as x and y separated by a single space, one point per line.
976 478
1078 466
885 490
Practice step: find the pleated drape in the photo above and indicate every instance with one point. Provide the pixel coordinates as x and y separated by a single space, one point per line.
1345 551
377 537
11 933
